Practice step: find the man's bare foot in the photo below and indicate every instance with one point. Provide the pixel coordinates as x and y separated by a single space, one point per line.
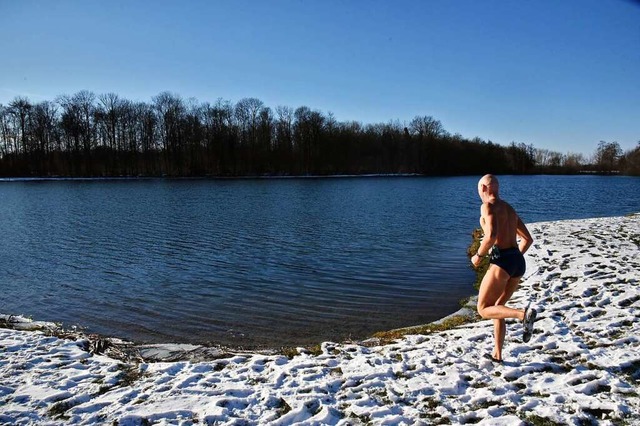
492 358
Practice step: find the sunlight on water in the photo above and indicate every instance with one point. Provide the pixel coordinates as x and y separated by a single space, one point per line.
259 262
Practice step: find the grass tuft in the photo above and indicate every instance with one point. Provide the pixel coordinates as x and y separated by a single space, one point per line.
533 420
447 324
476 239
58 409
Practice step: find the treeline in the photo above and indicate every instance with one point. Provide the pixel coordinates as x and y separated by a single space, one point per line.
106 135
608 158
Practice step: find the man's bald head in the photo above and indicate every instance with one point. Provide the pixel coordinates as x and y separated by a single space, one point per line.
488 180
488 185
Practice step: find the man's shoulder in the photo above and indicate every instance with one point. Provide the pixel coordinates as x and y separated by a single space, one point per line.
504 204
510 210
498 207
492 205
509 207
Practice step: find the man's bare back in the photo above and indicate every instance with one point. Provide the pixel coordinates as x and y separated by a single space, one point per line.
505 220
499 221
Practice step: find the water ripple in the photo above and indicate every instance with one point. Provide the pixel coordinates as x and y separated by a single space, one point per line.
279 262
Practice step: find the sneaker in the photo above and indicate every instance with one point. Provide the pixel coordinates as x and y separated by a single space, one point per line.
529 318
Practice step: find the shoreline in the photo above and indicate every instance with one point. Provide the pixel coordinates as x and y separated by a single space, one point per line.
582 365
27 179
128 350
240 177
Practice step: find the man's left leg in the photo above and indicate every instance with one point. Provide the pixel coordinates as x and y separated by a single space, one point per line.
499 325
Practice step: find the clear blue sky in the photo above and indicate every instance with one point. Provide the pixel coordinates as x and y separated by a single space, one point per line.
558 74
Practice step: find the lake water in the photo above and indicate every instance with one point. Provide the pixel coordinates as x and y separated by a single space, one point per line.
260 262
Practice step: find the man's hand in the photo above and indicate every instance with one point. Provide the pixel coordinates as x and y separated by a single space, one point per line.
475 260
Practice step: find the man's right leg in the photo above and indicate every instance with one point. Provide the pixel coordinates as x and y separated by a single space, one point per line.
496 286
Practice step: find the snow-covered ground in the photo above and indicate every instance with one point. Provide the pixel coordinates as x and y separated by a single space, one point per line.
582 365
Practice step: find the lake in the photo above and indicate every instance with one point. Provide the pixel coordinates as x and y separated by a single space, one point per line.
260 262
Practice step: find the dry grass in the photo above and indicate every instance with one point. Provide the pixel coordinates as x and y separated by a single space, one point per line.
446 324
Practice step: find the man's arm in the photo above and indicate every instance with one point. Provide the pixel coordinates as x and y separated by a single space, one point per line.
489 225
489 228
525 237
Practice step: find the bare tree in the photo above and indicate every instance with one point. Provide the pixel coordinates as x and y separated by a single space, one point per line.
78 126
111 107
44 128
247 113
630 162
170 110
607 156
426 126
8 132
20 109
572 162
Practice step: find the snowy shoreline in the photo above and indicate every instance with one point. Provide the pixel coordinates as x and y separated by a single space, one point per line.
581 366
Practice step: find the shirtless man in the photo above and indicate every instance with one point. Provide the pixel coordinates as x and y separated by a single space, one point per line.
501 226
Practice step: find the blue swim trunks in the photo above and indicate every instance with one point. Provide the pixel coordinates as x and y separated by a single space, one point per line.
511 260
